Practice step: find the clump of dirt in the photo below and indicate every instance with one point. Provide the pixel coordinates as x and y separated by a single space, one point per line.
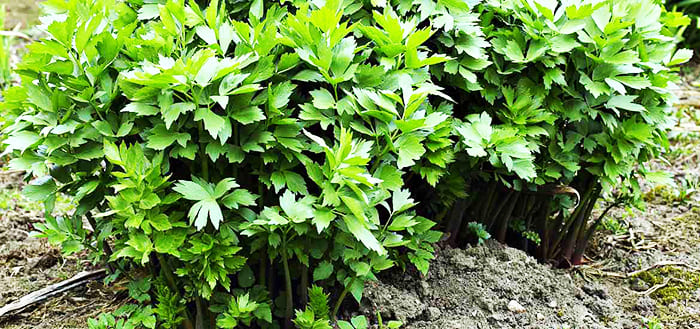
490 286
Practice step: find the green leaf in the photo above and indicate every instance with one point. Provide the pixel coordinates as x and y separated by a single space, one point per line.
364 235
248 115
141 109
625 103
160 138
40 189
149 201
256 9
169 242
279 94
322 99
410 149
160 222
681 56
21 140
322 219
323 271
173 112
513 51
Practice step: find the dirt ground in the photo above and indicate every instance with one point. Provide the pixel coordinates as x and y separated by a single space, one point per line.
28 264
481 288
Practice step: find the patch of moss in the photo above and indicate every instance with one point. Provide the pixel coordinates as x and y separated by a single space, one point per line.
680 287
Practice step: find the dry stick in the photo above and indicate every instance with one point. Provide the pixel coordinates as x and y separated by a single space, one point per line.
15 34
654 288
648 268
54 289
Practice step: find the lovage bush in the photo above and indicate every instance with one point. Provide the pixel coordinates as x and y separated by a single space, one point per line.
238 155
577 98
232 159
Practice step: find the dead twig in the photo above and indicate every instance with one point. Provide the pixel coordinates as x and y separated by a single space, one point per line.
663 264
15 34
52 290
654 288
638 272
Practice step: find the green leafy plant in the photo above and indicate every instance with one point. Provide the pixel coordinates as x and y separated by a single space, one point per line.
691 8
479 231
228 148
317 312
241 152
576 100
652 323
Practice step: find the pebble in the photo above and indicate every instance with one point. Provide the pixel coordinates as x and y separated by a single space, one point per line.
515 307
540 317
434 313
552 304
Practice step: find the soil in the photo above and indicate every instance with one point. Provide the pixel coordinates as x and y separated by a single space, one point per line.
28 264
479 287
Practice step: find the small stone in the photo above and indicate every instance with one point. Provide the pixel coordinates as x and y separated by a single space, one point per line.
552 304
540 317
424 288
515 307
639 285
434 313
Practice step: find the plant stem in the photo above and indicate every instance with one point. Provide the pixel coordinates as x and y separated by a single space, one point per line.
199 319
505 219
341 298
203 155
262 268
304 284
455 222
486 206
288 286
105 245
490 219
168 273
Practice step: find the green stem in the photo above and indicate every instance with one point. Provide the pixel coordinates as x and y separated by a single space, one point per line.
304 284
199 319
203 154
288 285
341 298
262 267
505 219
170 279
